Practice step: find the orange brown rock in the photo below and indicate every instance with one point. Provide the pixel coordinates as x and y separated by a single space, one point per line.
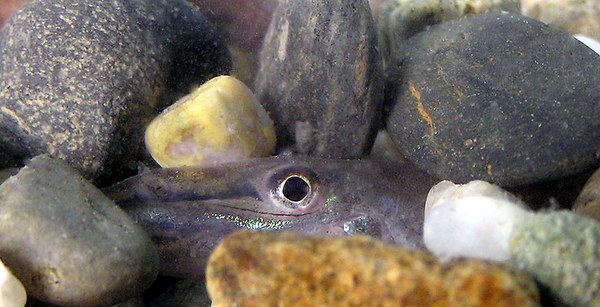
285 269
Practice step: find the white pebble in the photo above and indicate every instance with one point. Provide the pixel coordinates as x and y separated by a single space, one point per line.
590 42
12 292
471 220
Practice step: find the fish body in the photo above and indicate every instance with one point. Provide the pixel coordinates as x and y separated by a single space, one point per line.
187 211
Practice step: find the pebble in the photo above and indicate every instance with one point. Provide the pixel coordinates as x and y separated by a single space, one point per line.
404 18
588 201
321 81
493 97
571 16
79 80
221 121
12 292
285 269
561 249
590 42
67 242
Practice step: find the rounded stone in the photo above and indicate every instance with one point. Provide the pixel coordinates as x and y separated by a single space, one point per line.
67 242
497 97
221 121
79 80
321 81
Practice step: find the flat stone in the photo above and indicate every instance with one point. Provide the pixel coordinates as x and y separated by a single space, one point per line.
321 81
67 242
79 80
284 269
494 97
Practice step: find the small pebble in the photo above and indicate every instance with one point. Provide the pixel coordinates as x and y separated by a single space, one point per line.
325 73
402 19
67 242
588 201
285 269
12 293
571 16
590 42
492 97
219 122
560 249
80 80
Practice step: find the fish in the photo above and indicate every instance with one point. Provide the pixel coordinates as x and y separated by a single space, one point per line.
187 211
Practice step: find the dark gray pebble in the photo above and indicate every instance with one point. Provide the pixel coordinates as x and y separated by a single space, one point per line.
79 79
184 293
320 77
67 242
497 97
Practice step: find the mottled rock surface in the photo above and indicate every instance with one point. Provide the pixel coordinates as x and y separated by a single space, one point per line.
67 242
290 270
588 201
562 251
497 97
321 80
80 79
572 16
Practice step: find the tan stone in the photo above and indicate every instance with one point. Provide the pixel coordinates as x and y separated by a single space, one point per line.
285 269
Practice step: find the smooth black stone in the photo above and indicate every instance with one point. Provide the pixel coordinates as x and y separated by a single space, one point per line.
320 77
80 79
497 97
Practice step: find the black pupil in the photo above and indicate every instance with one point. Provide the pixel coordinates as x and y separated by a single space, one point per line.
295 188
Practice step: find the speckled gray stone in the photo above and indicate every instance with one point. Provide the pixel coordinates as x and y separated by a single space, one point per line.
79 79
497 97
320 77
67 242
561 250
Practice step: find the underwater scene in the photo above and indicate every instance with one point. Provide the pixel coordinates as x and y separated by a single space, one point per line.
300 153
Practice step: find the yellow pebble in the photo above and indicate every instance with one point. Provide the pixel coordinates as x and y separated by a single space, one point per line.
221 121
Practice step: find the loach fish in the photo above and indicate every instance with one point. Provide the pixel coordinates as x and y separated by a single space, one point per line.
187 211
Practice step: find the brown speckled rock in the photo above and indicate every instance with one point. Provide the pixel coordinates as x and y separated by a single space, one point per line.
588 201
286 269
79 79
321 80
67 242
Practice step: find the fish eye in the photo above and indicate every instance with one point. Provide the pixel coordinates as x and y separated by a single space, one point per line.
294 187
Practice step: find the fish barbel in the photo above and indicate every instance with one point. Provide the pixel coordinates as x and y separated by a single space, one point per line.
187 211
